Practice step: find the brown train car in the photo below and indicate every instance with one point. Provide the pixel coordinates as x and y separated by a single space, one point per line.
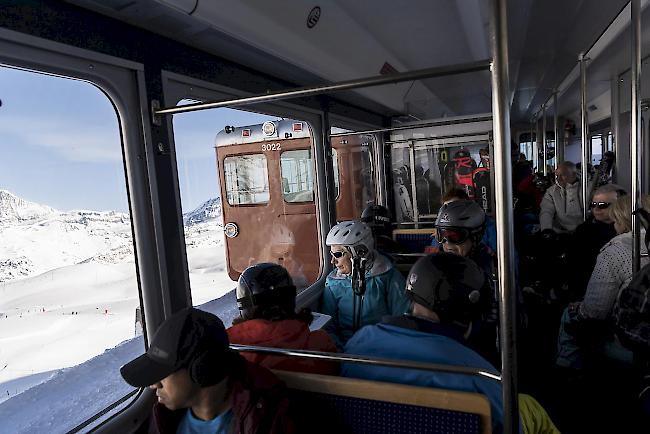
268 192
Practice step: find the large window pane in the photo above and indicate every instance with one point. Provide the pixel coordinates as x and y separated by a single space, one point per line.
68 284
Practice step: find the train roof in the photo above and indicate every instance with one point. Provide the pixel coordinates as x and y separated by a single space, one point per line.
270 130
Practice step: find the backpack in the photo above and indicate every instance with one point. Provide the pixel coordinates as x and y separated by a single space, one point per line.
632 310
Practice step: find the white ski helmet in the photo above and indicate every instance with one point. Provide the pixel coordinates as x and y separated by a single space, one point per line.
353 234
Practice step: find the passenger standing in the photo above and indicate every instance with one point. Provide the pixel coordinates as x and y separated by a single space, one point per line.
352 241
202 385
266 297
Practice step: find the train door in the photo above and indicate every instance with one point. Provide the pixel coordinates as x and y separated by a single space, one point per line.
354 175
268 198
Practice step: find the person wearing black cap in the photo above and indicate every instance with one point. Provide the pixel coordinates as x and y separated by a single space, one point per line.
202 385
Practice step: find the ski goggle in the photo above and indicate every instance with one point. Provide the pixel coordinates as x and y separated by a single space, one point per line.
452 235
600 205
337 255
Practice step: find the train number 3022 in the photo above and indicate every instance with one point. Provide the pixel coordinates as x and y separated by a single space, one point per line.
271 147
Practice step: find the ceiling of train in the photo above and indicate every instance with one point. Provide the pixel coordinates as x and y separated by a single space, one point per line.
352 39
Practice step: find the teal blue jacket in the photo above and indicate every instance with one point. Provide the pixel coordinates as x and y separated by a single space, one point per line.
384 296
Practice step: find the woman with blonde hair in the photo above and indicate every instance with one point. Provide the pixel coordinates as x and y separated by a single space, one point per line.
588 320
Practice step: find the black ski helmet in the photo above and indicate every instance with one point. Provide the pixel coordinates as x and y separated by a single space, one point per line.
376 216
264 285
449 285
464 214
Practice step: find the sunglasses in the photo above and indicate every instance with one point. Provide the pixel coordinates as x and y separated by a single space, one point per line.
337 255
454 236
600 205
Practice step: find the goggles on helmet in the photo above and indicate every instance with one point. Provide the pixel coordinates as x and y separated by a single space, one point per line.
452 235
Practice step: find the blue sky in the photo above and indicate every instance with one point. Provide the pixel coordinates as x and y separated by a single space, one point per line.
60 144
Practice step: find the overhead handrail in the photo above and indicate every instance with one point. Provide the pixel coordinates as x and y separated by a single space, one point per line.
349 358
440 123
438 71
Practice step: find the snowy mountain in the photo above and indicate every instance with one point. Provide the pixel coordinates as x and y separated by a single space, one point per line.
209 210
37 238
14 209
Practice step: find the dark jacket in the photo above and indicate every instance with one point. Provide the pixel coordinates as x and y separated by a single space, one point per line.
260 405
289 333
588 239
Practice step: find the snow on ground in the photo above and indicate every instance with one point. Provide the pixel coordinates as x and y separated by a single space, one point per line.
65 332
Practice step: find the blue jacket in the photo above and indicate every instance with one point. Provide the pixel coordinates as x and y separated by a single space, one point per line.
384 296
417 339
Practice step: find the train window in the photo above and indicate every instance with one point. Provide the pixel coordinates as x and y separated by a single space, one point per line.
246 179
222 235
424 171
297 173
68 279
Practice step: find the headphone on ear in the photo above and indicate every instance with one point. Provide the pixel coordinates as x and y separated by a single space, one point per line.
206 369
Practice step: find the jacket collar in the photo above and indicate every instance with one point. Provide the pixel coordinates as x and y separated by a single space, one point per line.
424 325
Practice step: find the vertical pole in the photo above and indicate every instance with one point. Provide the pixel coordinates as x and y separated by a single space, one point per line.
584 132
532 157
635 142
544 140
559 143
615 87
538 141
416 212
504 219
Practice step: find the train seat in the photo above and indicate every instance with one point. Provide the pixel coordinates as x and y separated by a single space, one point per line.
413 240
346 405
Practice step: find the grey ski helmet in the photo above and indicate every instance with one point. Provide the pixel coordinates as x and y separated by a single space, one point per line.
462 214
449 285
353 234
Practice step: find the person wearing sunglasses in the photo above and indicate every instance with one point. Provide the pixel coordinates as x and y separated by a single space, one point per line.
590 237
585 327
352 242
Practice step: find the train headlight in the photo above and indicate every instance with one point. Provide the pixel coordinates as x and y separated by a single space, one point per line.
268 128
231 230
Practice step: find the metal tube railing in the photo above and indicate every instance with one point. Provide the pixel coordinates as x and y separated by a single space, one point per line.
423 125
635 131
350 358
585 134
438 71
504 213
544 141
559 145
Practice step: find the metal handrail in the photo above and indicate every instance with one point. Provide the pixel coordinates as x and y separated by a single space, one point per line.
440 123
349 358
438 71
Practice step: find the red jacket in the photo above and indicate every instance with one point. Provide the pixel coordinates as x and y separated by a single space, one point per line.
289 333
259 403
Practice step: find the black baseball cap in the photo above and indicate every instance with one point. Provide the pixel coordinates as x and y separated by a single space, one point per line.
179 339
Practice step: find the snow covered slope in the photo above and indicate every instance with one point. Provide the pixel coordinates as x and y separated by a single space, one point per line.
68 292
